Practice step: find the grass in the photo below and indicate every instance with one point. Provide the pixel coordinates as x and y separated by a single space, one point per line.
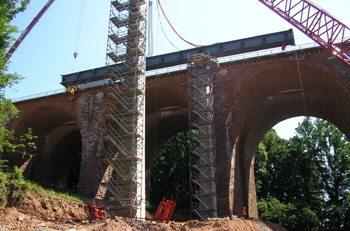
47 189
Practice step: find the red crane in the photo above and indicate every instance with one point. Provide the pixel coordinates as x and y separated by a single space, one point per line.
27 30
316 23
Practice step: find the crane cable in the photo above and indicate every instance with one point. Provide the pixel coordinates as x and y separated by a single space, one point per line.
301 82
77 39
161 26
192 44
150 29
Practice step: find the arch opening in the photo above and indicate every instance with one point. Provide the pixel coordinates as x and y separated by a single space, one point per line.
59 147
62 166
303 177
267 98
170 175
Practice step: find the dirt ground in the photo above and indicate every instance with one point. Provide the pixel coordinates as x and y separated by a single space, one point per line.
37 211
11 219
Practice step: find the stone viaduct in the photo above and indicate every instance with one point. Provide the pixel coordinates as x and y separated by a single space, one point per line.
250 97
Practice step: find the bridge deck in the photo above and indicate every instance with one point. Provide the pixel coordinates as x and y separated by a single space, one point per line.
181 57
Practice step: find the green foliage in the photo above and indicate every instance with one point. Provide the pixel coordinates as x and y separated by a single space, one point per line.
3 178
16 175
287 215
275 211
305 178
3 165
271 168
261 158
51 190
55 190
22 143
149 206
8 10
9 143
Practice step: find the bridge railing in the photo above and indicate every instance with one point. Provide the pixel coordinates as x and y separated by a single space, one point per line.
242 56
184 66
38 95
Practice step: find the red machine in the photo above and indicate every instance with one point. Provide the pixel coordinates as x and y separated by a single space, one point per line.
316 23
165 210
97 212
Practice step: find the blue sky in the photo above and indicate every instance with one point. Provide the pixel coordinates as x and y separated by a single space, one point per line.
47 52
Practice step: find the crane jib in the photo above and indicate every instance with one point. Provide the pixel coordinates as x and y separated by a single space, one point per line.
27 30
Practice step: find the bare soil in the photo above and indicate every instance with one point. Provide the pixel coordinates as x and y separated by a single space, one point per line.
35 211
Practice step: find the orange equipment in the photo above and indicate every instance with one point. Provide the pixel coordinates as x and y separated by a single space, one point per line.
97 212
165 210
244 212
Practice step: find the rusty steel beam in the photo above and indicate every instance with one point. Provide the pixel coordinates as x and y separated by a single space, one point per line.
278 39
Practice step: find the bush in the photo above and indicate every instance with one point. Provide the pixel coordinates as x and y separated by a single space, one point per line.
16 175
291 216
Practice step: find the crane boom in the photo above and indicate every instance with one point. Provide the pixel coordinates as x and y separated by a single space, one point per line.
27 30
316 23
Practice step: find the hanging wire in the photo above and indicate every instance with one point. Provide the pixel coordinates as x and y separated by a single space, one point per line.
155 124
192 44
247 162
150 29
77 39
301 83
161 26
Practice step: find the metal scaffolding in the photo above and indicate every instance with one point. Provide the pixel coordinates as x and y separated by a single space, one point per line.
202 149
121 147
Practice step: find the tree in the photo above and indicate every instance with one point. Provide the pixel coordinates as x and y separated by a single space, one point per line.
327 159
306 178
288 214
272 169
8 10
280 191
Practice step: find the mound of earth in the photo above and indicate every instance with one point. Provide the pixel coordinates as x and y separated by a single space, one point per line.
27 210
30 201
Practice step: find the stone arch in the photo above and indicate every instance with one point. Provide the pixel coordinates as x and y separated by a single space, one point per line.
166 115
61 157
270 97
161 126
44 119
59 144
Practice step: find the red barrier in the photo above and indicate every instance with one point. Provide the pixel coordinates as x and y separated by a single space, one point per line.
165 210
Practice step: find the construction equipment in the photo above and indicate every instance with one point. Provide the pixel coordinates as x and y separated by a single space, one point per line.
27 30
121 149
121 144
97 212
202 68
165 210
316 23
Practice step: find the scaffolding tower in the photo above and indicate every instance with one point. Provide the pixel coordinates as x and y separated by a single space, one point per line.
202 149
121 146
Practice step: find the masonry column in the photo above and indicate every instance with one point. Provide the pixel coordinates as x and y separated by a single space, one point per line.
91 107
224 160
